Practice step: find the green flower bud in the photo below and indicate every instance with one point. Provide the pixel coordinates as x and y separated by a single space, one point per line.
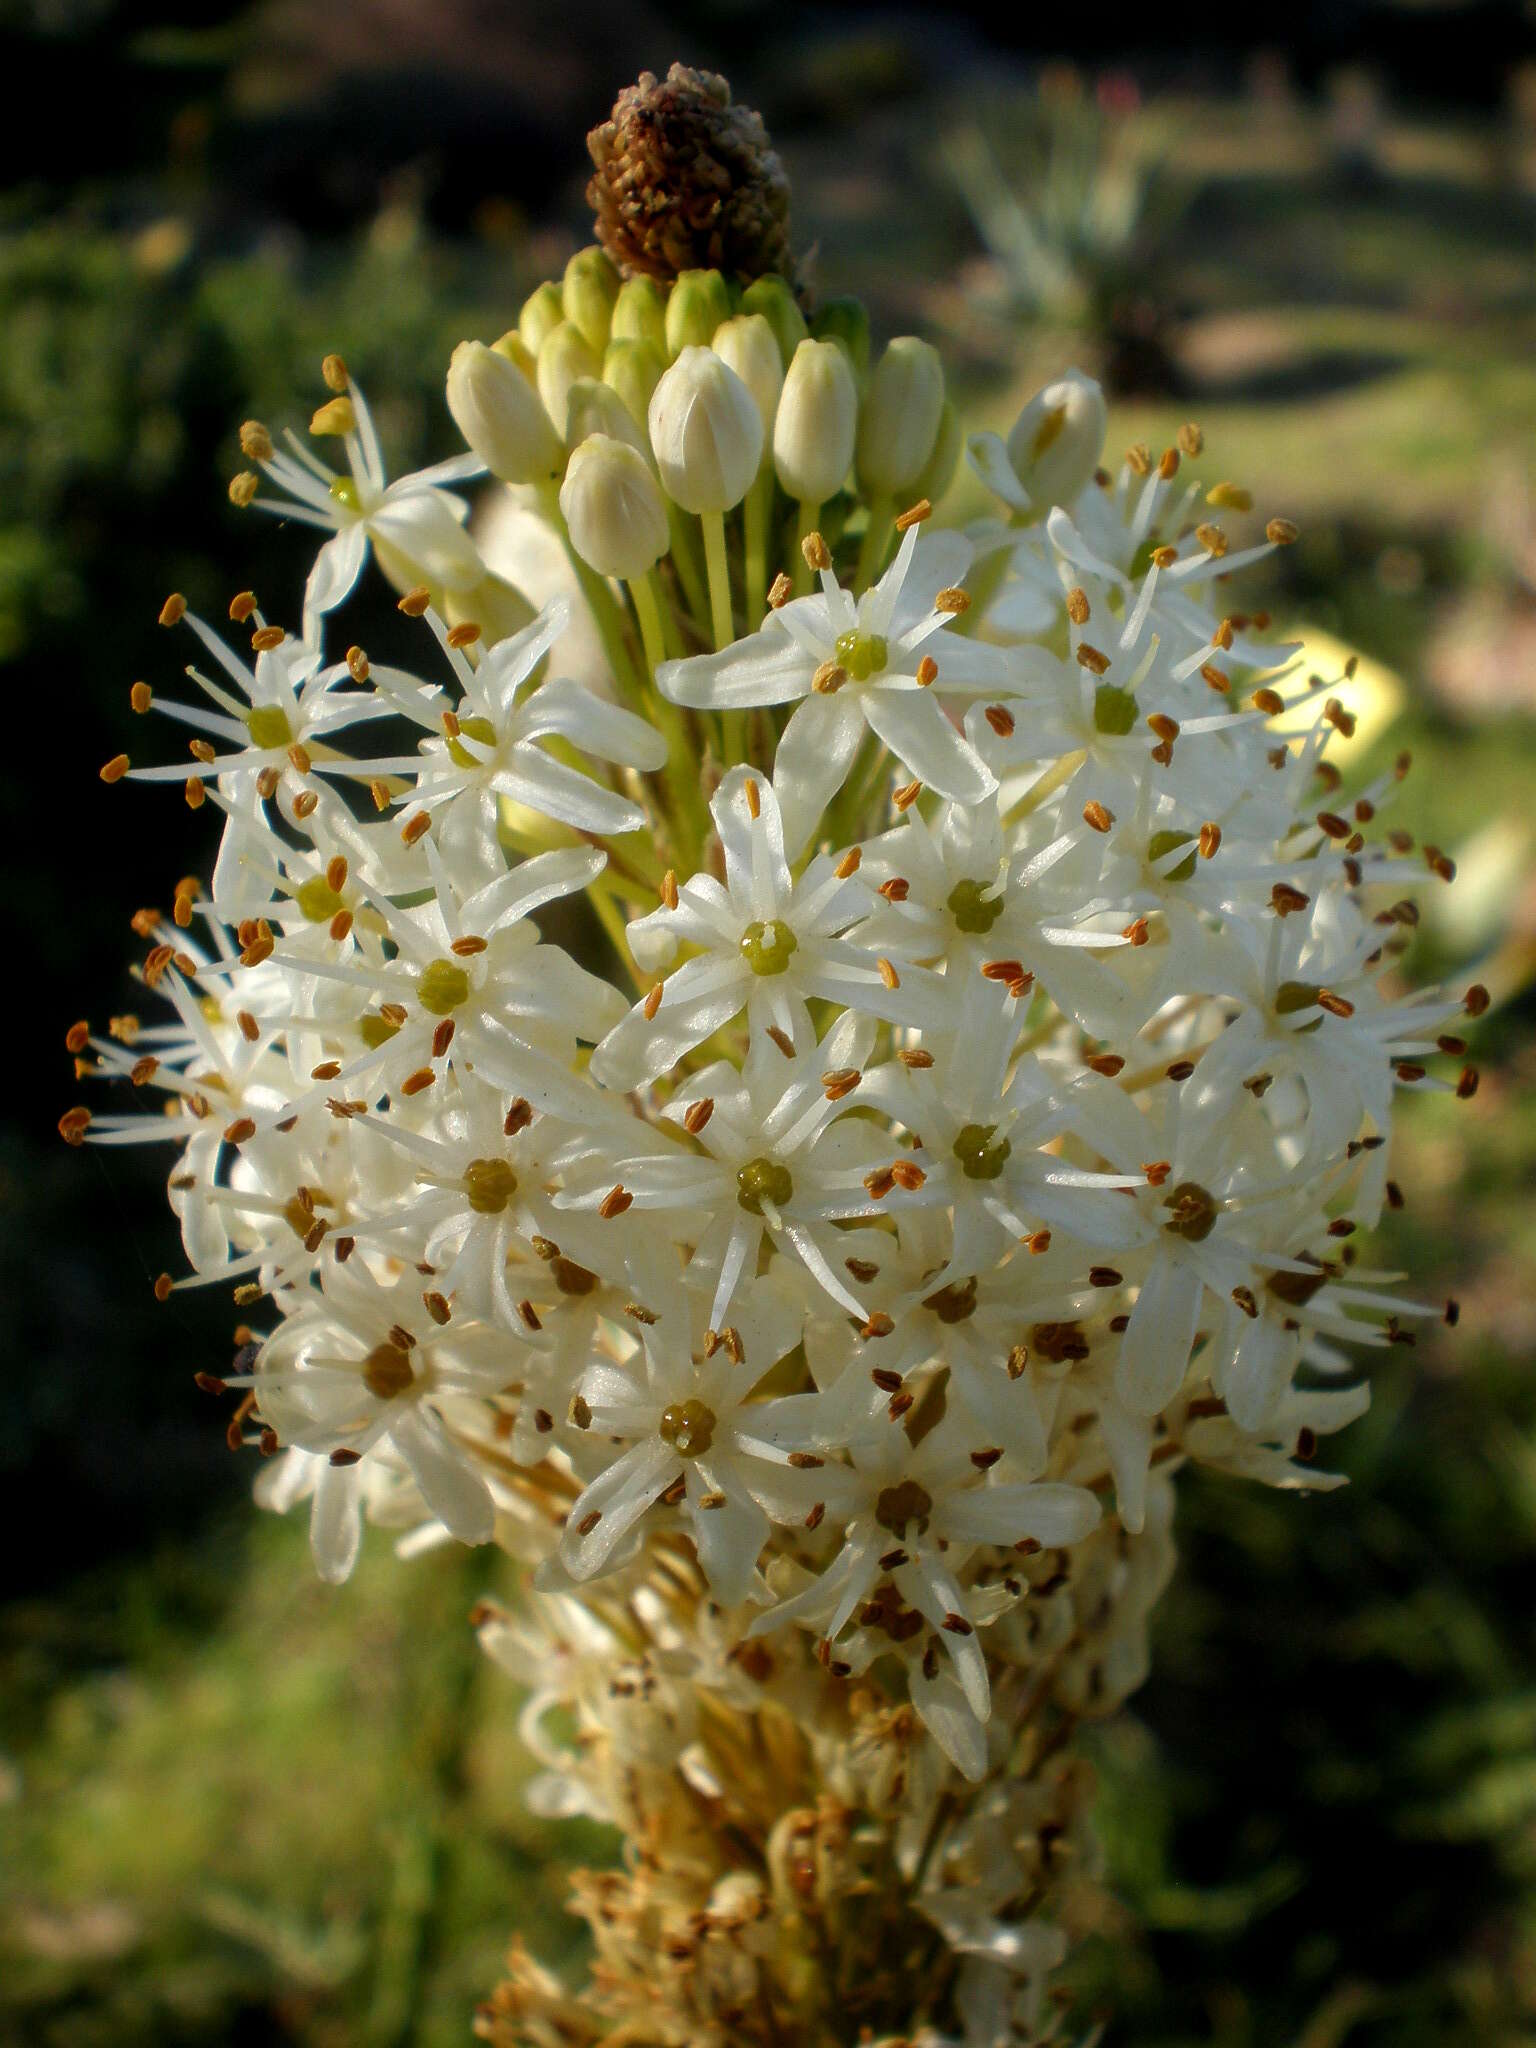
699 301
613 507
543 309
498 412
772 297
591 286
939 471
706 432
563 357
746 342
633 369
846 322
640 313
594 407
818 416
899 419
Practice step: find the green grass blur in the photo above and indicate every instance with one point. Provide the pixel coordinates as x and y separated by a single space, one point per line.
239 1807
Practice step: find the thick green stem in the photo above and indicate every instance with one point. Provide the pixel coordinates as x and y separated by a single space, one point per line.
805 526
719 570
759 506
877 536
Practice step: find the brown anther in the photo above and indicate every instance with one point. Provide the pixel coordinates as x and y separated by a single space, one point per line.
1247 1301
465 634
1466 1086
887 1381
200 750
1038 1242
1212 539
927 672
754 798
957 1625
1270 702
529 1315
393 1013
1216 678
1227 497
698 1114
1342 721
1475 1001
163 1287
878 1183
1157 1171
915 1057
1181 1070
326 1071
1190 439
818 556
1409 1070
914 515
906 796
840 1081
782 1040
1096 816
173 610
887 972
1164 557
615 1202
652 1002
829 678
244 1295
242 1128
334 371
908 1175
416 601
1448 1044
780 591
1138 458
1000 718
1166 728
1106 1063
1091 659
255 441
1168 464
265 638
849 864
1282 532
1336 1006
442 1037
77 1037
298 756
878 1325
518 1117
258 950
417 826
1342 1226
417 1083
74 1124
1104 1276
1002 970
1284 900
1210 839
953 601
115 769
266 784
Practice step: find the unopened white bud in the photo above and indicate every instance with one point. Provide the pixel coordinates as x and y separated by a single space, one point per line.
500 416
706 432
818 416
596 408
613 508
563 357
1058 438
747 343
899 419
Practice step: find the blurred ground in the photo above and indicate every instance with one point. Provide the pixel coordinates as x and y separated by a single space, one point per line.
236 1807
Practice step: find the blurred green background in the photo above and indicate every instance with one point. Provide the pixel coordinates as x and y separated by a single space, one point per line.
238 1807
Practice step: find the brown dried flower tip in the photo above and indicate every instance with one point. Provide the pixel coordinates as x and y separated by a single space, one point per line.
688 180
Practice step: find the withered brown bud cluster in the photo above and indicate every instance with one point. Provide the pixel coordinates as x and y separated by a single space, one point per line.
688 180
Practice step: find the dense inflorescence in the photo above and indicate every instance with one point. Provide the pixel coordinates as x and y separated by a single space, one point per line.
990 1068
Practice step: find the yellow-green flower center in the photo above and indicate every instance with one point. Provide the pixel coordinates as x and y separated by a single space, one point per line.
688 1426
269 726
766 946
442 988
1164 842
475 728
344 490
862 654
972 911
763 1180
981 1155
318 900
375 1030
1114 710
490 1184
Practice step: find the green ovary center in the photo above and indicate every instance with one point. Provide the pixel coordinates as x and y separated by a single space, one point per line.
269 726
981 1155
344 490
862 654
972 910
897 1506
490 1184
387 1371
318 900
475 728
688 1426
763 1180
1114 710
1165 842
767 946
375 1030
443 988
1194 1210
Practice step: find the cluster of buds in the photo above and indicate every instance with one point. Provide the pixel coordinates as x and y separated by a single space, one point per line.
974 1123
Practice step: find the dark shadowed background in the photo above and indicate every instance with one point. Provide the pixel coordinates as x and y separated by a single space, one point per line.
237 1807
